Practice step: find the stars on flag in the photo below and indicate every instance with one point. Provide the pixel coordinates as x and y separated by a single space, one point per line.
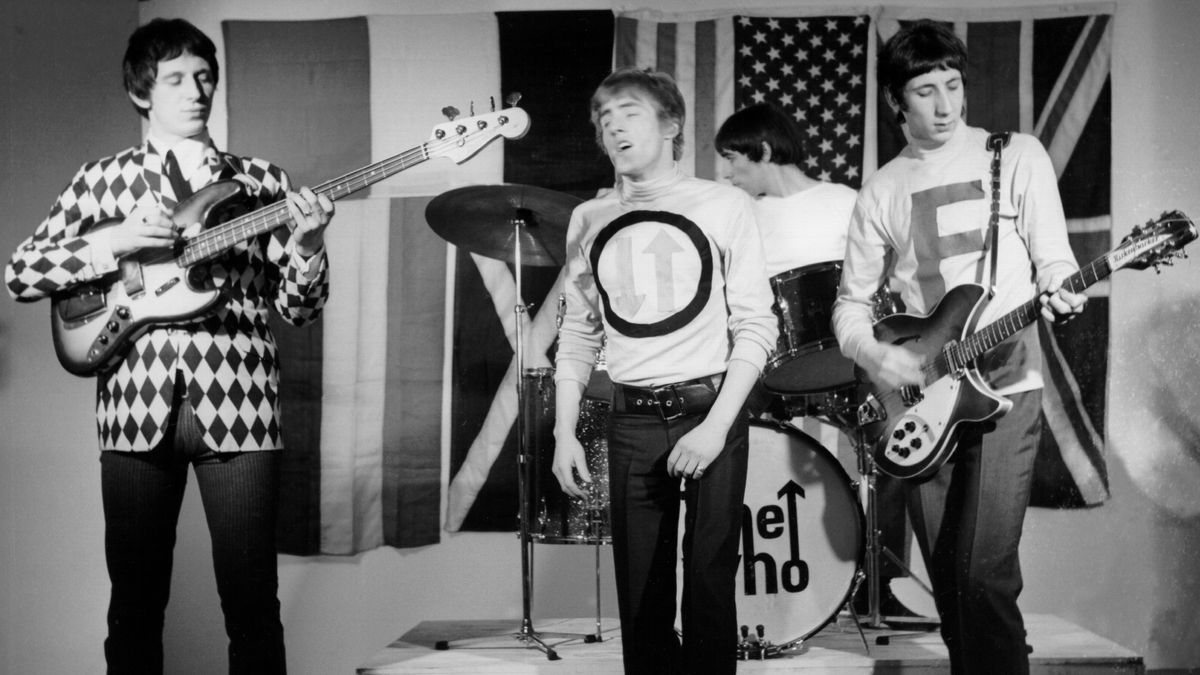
814 69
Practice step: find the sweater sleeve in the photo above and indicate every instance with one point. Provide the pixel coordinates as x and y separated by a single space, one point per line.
863 272
581 333
747 292
1040 215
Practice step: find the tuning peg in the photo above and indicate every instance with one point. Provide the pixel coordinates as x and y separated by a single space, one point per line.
513 99
450 112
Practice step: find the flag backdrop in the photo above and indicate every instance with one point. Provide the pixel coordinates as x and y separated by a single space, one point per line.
400 403
1046 72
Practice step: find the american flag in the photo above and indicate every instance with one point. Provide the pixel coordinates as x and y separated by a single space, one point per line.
813 68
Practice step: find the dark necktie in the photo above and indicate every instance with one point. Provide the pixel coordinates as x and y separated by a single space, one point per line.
178 184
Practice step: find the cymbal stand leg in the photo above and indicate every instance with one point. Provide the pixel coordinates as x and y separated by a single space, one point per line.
866 489
527 634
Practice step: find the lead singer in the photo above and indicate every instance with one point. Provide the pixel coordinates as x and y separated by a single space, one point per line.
670 270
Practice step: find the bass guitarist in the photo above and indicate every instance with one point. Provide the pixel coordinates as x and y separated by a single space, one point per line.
202 392
929 212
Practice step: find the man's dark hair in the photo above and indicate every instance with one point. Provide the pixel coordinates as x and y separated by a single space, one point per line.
919 48
660 88
747 129
163 40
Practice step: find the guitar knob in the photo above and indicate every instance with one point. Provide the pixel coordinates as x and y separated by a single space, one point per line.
103 339
915 444
123 312
898 434
910 426
112 326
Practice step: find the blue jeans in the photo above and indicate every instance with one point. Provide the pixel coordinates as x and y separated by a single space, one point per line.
968 520
142 493
645 522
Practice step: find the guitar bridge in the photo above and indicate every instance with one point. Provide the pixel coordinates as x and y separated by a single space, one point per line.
871 411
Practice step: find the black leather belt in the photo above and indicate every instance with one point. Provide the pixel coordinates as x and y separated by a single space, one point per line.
668 401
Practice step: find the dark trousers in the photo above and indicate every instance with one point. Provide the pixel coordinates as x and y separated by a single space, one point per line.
142 493
645 522
968 520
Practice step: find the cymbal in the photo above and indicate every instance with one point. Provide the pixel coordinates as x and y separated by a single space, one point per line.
480 219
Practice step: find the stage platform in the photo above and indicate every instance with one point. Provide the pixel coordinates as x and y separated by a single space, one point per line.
489 646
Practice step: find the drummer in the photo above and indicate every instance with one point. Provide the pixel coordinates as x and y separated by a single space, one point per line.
803 221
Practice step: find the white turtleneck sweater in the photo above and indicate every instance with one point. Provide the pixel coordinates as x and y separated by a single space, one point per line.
671 270
930 210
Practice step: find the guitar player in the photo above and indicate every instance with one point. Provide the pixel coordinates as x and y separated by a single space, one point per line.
202 392
929 211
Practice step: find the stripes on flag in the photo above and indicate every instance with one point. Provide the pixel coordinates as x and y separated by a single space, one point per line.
362 388
1045 71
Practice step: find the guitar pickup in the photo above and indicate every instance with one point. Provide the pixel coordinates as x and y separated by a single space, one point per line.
911 396
871 411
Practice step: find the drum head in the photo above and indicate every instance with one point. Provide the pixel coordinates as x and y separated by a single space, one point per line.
802 536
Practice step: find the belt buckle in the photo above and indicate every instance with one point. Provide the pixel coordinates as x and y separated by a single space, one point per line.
671 407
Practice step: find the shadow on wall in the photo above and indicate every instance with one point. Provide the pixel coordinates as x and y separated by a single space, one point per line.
1164 464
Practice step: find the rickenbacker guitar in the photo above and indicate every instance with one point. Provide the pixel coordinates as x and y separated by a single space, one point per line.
912 431
94 323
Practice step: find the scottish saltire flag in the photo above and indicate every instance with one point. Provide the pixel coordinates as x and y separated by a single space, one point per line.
399 405
1046 72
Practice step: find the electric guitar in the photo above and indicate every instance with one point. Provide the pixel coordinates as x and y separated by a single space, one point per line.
913 430
94 323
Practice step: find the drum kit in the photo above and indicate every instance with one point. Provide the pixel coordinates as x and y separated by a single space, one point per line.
808 539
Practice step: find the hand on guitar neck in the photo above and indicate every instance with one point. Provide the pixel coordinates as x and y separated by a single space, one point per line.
310 213
1058 303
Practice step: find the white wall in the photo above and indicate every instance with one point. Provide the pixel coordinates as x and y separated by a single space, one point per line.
1118 570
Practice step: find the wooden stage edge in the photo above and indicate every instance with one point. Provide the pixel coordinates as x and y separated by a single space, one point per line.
483 647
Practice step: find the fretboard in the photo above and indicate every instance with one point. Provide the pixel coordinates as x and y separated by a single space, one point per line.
985 339
215 241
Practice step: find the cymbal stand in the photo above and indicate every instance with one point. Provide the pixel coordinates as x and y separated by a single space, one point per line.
524 462
866 495
868 472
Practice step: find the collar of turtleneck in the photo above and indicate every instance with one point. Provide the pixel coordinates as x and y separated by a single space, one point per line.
641 191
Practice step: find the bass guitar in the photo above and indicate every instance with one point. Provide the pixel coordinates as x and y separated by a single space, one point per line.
94 323
913 430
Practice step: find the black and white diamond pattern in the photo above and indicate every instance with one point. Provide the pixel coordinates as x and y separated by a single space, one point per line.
227 360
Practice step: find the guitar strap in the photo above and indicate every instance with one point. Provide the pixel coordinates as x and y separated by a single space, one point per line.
995 143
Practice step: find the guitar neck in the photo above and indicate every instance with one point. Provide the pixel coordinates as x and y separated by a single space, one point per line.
217 240
983 340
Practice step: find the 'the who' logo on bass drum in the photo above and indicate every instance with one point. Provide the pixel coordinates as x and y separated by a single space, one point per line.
802 533
774 523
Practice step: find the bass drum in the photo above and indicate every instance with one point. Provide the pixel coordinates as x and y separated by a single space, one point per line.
802 536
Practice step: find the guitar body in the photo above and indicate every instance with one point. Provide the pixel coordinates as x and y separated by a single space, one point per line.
915 431
94 323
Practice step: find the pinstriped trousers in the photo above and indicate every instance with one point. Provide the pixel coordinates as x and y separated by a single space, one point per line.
142 493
